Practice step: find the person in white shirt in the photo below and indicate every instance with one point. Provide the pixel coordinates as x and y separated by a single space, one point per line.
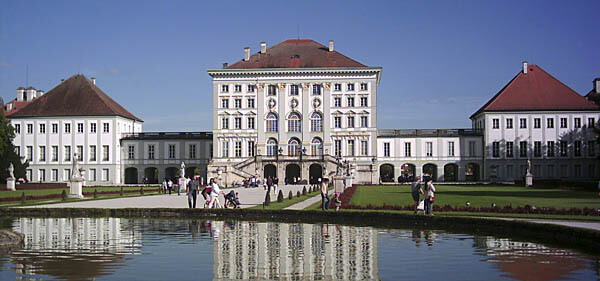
214 195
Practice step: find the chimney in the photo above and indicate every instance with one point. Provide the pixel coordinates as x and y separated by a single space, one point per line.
524 67
597 85
247 54
225 65
331 45
93 80
263 47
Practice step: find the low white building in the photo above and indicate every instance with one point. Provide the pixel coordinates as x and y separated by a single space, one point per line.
74 117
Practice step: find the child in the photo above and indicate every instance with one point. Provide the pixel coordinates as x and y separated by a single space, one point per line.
337 201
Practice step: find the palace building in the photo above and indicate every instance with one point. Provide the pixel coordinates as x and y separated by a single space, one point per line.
299 111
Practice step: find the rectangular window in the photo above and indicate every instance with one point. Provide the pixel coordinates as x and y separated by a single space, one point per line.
251 123
67 128
337 102
509 123
316 90
224 88
364 102
364 87
386 149
592 170
350 87
92 153
523 123
80 153
472 148
495 149
251 88
537 149
171 151
225 103
577 122
337 122
337 87
55 128
67 153
92 176
42 128
238 149
192 151
225 123
563 122
350 101
130 152
350 121
42 175
429 149
105 174
251 148
563 148
237 103
105 127
550 123
54 153
523 149
338 147
537 123
495 123
591 122
450 148
293 90
237 123
250 103
577 148
407 149
550 149
151 151
105 153
591 147
509 149
93 128
80 128
29 128
237 88
272 90
67 174
510 171
294 125
42 153
564 172
577 170
351 150
364 122
364 148
17 128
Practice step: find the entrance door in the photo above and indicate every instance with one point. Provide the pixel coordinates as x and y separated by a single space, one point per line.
270 171
292 171
131 175
315 172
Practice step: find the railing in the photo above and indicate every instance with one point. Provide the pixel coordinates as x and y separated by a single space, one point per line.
429 132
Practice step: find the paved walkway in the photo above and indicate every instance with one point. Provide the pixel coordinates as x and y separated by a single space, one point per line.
249 197
304 204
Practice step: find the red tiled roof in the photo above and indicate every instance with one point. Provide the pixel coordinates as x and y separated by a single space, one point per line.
537 91
76 96
297 53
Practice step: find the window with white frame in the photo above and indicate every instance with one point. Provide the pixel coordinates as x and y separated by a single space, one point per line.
130 152
350 101
225 149
293 90
591 122
563 148
450 148
364 148
42 128
537 149
272 125
171 151
272 90
495 149
42 153
316 122
351 148
93 128
237 123
316 90
79 128
251 149
509 123
238 149
67 128
42 175
337 87
251 123
250 102
151 151
577 148
337 102
105 174
550 123
523 149
563 122
429 149
537 123
251 88
92 176
224 88
386 149
364 102
294 147
510 149
294 122
17 128
364 121
224 103
271 147
350 87
577 122
192 151
66 174
523 123
225 123
29 128
407 149
350 121
472 148
92 153
237 103
364 87
55 128
105 153
338 147
316 147
337 122
54 153
237 88
495 123
80 153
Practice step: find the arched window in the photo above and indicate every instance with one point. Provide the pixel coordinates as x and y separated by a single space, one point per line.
294 147
294 122
271 122
271 147
316 122
316 147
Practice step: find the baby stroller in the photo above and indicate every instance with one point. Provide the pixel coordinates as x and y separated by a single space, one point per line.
232 200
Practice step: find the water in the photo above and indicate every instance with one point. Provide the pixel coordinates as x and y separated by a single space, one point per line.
160 249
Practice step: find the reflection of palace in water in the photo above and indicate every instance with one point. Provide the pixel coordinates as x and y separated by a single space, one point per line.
253 250
64 247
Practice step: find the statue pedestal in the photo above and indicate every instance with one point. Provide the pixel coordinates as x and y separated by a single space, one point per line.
528 180
76 188
10 184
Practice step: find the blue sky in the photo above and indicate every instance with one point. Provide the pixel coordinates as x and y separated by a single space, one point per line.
441 60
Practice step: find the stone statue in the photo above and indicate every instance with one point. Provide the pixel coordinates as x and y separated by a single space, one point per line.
528 166
182 170
11 170
76 173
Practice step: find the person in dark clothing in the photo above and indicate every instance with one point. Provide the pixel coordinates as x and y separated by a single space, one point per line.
192 192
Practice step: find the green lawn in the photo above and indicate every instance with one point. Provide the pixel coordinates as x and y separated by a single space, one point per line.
41 192
274 205
479 196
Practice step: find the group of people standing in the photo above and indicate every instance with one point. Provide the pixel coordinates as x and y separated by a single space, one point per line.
426 189
325 202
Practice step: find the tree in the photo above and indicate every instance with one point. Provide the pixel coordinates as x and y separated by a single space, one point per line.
7 150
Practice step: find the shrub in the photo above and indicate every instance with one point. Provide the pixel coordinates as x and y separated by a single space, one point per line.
95 193
63 195
290 195
297 193
121 193
304 190
141 190
280 196
23 198
267 199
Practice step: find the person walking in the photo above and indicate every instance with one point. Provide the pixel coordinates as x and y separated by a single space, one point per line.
429 197
416 191
192 192
324 195
164 185
269 183
275 184
214 195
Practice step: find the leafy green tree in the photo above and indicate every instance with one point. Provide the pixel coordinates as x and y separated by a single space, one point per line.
7 150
